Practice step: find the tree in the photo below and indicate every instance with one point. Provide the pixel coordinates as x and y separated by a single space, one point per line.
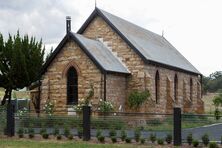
217 102
21 59
49 54
216 75
213 83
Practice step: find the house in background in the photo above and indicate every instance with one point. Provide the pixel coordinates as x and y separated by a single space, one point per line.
117 57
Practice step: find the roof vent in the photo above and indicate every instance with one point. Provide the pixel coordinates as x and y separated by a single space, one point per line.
68 24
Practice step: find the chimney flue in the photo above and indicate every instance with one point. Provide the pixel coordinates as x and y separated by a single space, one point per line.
68 24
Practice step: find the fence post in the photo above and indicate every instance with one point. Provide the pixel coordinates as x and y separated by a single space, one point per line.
177 126
86 123
10 120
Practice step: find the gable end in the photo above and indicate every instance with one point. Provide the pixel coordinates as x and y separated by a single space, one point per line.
97 12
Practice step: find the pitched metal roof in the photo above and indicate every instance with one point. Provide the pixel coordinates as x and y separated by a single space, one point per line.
152 47
102 55
95 50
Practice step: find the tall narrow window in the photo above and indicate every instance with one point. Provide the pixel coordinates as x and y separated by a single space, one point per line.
198 91
72 86
157 86
191 89
175 87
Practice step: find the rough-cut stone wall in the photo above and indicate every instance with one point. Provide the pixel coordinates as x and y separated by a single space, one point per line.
54 80
100 29
116 90
143 76
167 101
34 95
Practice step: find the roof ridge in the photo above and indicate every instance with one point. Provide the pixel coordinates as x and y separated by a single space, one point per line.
129 22
151 47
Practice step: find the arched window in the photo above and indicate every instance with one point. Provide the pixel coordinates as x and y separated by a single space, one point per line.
198 90
175 87
157 86
191 89
72 86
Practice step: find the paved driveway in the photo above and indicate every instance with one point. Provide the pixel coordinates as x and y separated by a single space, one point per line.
214 131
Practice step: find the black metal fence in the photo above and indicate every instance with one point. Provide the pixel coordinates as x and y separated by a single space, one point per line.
89 123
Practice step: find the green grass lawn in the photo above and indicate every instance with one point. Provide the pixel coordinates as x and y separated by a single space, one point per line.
12 143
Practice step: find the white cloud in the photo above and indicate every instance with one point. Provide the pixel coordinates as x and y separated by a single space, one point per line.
193 27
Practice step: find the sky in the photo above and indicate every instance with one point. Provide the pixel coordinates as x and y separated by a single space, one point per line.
194 27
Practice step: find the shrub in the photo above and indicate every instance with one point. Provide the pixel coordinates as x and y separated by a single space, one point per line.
152 137
128 140
114 140
101 139
43 130
217 114
98 133
20 132
49 107
142 140
213 145
160 141
80 132
70 137
66 132
123 135
168 138
112 133
105 106
137 98
45 135
31 132
195 143
78 108
56 131
59 137
205 139
189 138
137 134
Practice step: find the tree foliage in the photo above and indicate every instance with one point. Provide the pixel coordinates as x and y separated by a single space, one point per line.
217 102
213 82
49 54
136 98
21 59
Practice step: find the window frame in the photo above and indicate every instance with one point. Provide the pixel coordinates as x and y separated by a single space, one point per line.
72 86
157 86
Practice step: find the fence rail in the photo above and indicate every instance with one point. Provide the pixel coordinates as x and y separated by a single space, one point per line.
90 122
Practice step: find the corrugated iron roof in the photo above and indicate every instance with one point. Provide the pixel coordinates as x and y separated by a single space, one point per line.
102 54
151 45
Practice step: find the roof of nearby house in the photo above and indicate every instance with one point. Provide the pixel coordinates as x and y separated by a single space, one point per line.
151 47
95 50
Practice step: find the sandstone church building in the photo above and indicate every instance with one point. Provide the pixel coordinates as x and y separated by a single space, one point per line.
117 57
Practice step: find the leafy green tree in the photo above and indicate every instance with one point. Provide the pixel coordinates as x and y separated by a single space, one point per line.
217 102
213 83
49 54
21 59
